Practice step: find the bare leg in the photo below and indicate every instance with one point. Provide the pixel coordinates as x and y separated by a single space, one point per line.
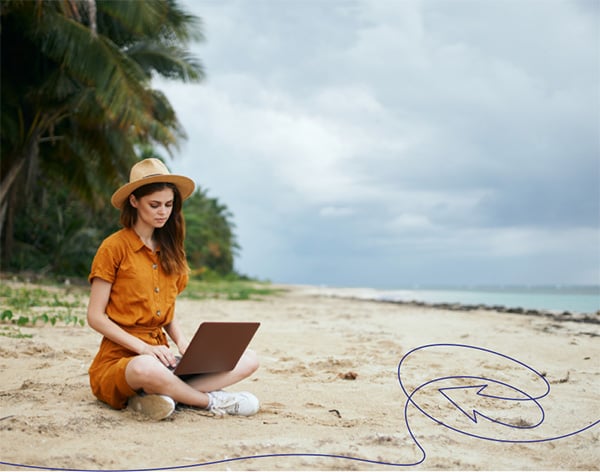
147 373
245 367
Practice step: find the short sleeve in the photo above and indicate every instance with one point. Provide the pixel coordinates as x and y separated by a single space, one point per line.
182 282
105 264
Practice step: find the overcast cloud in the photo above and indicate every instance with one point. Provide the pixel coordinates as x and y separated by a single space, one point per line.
394 143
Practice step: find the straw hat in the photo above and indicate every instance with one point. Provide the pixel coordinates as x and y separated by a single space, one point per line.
150 171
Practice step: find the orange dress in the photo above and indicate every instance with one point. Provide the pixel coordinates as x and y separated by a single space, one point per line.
142 302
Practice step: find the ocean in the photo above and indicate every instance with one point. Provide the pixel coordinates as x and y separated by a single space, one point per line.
575 299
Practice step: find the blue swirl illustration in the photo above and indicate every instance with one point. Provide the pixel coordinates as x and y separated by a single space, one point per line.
476 394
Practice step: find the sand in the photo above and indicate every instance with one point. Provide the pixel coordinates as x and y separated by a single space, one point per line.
330 393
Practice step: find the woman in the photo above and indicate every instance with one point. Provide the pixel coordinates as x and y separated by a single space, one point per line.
135 277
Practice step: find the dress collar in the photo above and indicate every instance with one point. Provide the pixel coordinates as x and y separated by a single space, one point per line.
133 239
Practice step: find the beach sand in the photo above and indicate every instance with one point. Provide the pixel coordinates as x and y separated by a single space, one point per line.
330 393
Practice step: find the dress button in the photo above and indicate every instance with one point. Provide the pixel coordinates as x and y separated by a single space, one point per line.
155 266
158 313
156 289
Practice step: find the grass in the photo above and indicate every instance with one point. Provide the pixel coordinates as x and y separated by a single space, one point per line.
229 290
27 306
13 332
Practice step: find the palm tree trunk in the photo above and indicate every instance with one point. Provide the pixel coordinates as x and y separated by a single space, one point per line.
92 15
8 181
9 189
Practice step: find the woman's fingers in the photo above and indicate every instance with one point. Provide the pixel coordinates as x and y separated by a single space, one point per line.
164 355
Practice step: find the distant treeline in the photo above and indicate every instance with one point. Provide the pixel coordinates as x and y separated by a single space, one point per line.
78 110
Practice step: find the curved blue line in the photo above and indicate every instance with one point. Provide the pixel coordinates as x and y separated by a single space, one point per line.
233 459
478 349
485 379
525 441
409 401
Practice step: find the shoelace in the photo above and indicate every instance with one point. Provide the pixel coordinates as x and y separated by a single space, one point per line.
218 404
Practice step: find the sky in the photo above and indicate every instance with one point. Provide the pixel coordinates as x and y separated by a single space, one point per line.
400 143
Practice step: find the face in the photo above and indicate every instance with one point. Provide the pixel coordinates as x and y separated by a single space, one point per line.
155 208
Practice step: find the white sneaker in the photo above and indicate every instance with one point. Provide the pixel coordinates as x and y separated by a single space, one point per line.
156 407
239 403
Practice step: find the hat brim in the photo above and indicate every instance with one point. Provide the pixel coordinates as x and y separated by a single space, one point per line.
185 185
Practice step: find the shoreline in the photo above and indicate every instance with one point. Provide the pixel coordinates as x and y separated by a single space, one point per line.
374 295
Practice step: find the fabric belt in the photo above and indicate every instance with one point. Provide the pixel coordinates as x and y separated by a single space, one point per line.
154 332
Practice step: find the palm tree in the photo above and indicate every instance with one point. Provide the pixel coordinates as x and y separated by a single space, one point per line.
77 96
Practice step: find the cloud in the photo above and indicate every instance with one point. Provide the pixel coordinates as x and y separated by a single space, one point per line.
335 212
357 134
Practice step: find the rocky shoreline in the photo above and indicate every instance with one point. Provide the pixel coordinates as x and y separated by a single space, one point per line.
557 316
372 295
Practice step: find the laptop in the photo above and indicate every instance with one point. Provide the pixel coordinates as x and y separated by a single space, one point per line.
216 347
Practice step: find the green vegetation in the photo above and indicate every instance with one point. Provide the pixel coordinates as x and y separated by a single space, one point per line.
31 306
61 235
229 289
22 320
24 306
78 110
210 244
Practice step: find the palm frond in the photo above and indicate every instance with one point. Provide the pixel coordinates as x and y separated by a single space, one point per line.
170 61
132 20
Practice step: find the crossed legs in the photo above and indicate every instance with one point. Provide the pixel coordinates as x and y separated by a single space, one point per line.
148 374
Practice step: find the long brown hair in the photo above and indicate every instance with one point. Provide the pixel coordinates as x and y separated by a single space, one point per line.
171 236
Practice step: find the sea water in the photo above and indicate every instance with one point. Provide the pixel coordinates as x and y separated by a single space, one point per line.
576 299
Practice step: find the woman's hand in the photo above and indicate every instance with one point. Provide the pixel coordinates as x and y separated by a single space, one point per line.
162 353
174 331
97 319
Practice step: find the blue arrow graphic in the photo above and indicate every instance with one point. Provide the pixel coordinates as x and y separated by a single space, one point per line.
474 393
522 394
